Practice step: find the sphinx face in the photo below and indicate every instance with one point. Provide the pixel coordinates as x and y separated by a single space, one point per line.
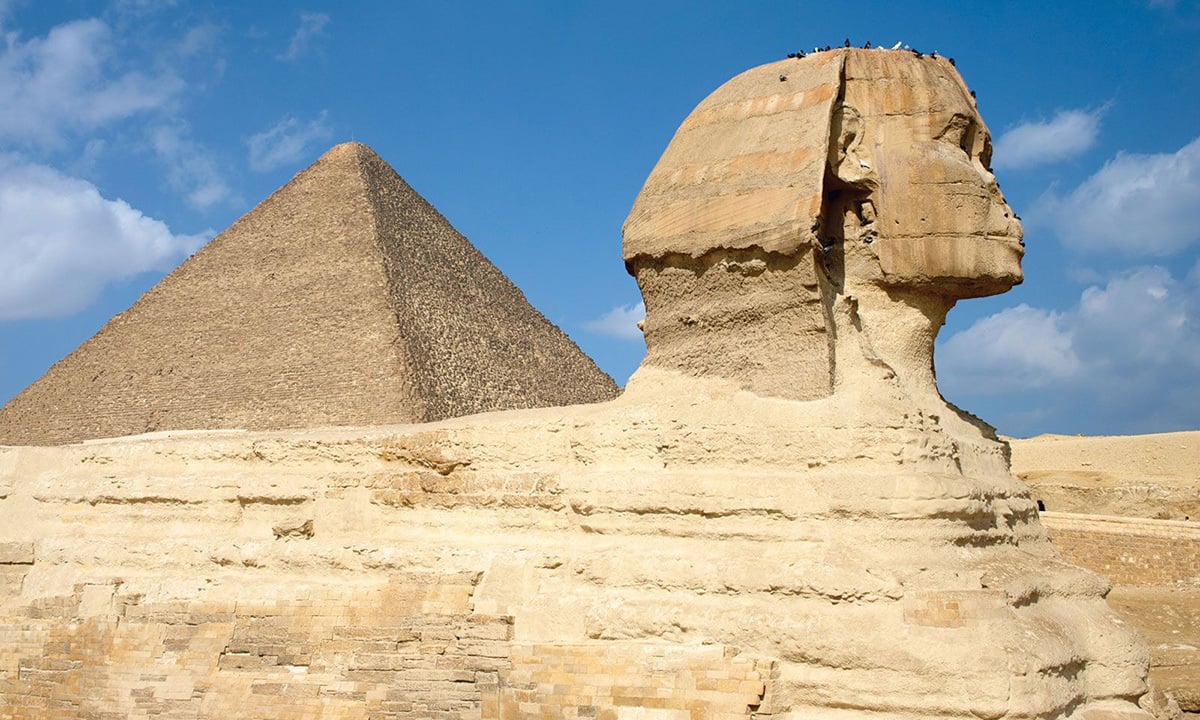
940 221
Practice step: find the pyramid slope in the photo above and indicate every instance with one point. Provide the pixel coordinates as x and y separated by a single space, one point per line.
480 345
303 314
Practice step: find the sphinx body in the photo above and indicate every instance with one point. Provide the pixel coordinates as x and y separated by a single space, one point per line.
780 517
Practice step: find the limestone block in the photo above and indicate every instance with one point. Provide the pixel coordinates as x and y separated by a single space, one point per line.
16 553
294 529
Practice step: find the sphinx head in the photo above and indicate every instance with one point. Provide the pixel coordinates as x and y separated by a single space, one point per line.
803 182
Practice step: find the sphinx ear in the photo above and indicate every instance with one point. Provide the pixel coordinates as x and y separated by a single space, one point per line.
846 131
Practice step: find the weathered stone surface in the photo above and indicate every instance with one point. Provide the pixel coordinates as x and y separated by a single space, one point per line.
16 553
835 565
294 529
732 537
342 299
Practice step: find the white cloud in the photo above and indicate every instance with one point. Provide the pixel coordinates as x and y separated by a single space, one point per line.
1134 205
60 83
191 170
63 242
311 26
1127 355
1138 322
1017 348
1069 134
620 322
286 142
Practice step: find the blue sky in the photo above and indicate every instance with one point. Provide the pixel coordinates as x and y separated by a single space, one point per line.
131 131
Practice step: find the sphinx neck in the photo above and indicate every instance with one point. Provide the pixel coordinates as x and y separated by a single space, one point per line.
895 330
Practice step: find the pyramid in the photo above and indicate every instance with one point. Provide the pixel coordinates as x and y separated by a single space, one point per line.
344 298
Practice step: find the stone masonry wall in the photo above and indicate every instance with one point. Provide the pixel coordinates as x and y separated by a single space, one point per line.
628 682
1130 551
406 649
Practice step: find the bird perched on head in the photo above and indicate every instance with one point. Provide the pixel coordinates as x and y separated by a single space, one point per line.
951 62
782 78
867 46
898 45
847 44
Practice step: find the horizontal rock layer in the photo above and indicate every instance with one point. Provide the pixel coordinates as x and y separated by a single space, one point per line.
613 556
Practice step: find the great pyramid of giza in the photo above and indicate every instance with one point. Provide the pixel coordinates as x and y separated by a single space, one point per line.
344 298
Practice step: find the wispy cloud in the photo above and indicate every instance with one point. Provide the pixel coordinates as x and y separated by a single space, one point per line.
198 40
64 82
286 142
63 242
1068 134
1129 349
312 25
142 7
191 169
1134 205
620 322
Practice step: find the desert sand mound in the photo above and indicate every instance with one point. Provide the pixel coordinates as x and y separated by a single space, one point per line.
1148 476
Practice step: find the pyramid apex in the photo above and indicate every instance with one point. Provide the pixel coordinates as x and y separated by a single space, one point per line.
349 149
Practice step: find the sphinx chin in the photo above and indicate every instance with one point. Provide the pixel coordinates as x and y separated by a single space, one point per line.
956 267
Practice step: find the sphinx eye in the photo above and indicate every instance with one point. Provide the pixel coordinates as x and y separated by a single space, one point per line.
967 141
960 131
985 155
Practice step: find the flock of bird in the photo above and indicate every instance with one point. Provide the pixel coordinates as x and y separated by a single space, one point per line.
868 46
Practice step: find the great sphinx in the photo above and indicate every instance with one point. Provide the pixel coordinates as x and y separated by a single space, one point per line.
803 237
780 517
